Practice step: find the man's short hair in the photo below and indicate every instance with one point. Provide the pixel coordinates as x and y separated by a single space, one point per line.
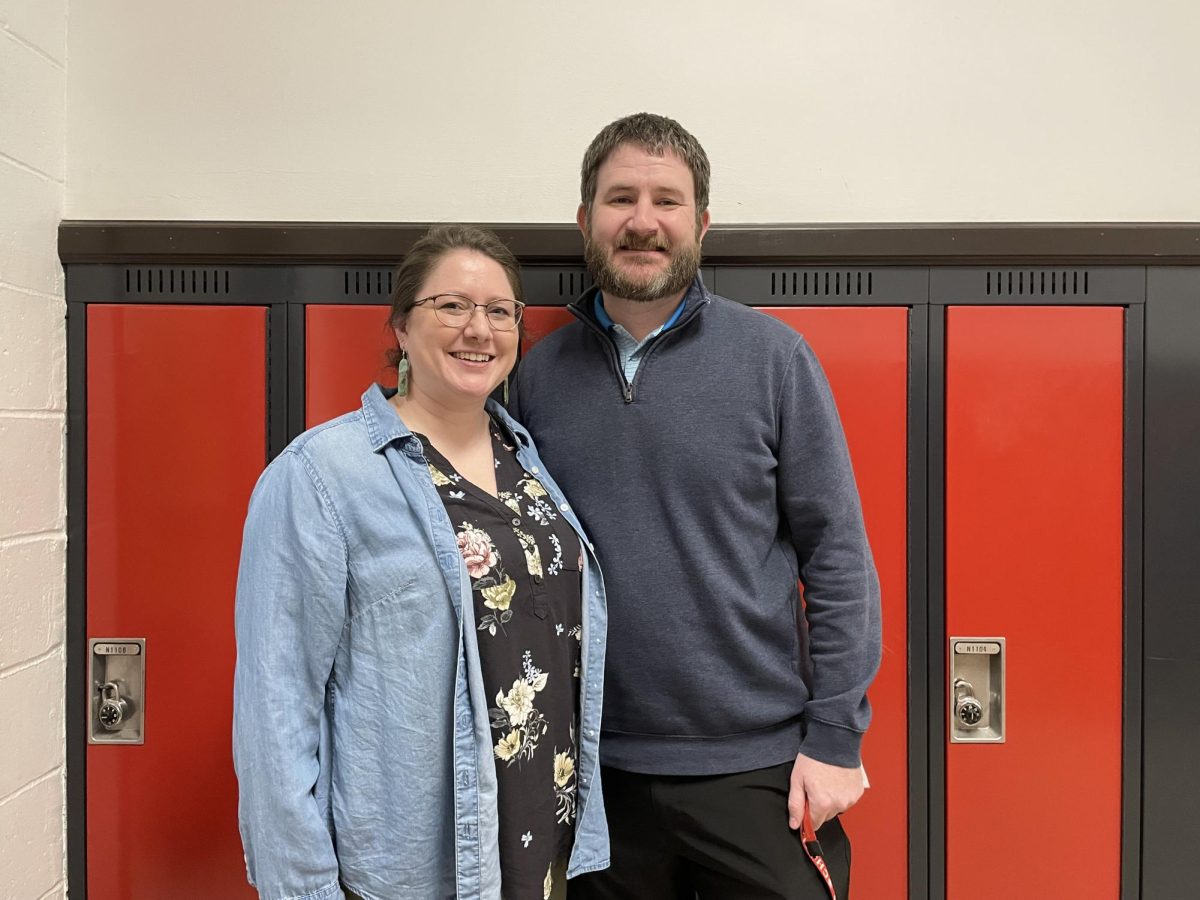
656 135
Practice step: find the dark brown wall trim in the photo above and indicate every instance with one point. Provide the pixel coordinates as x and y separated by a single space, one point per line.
383 243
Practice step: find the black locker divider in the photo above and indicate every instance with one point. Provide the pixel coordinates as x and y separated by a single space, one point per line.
1133 627
935 598
920 514
1171 780
77 697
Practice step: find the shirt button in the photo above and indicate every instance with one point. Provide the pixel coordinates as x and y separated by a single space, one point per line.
564 507
537 579
516 521
534 470
589 732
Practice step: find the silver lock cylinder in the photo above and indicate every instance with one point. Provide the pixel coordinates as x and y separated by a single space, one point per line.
113 707
967 708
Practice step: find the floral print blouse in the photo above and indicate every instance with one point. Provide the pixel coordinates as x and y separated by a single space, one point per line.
524 562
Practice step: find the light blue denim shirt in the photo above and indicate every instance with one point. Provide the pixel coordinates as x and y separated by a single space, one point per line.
361 736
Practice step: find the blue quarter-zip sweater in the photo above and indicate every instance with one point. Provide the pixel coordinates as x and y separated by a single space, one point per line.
710 484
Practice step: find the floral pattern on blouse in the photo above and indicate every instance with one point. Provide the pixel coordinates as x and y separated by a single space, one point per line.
527 597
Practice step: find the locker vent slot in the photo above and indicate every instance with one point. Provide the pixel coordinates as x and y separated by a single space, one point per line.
822 284
572 284
367 282
1023 282
176 281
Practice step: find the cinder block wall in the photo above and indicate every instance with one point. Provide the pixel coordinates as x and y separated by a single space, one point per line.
33 58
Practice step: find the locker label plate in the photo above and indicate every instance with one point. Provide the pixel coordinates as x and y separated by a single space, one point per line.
117 649
991 648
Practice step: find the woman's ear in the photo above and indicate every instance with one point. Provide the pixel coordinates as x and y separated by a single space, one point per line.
401 336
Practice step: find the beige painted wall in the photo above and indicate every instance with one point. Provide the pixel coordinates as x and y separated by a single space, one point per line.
865 110
33 48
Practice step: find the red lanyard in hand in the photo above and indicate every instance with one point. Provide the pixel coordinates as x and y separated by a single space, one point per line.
812 847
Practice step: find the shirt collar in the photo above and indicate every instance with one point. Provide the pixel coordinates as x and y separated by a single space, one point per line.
384 424
608 324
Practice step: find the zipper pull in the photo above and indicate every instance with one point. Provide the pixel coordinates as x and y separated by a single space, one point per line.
628 393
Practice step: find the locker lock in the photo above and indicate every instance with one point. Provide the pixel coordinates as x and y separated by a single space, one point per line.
967 709
975 690
117 704
113 707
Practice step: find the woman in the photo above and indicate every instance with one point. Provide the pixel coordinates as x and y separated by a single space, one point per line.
420 627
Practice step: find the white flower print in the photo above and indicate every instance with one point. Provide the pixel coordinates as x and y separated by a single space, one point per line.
532 488
533 556
509 499
533 561
508 746
533 674
556 564
564 768
439 479
519 702
548 884
564 782
515 716
527 839
499 596
541 512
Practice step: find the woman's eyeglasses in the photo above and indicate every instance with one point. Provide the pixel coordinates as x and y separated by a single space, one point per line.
455 311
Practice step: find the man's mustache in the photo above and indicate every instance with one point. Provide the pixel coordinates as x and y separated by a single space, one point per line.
643 242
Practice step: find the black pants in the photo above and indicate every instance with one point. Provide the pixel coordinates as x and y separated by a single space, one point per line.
722 837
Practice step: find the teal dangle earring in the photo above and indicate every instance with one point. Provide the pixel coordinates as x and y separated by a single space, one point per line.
402 374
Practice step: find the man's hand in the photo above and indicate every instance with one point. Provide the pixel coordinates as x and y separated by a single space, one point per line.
830 790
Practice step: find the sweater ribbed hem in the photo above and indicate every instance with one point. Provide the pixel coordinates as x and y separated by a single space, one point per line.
657 754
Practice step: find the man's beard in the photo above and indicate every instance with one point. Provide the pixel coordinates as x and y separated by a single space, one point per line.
676 277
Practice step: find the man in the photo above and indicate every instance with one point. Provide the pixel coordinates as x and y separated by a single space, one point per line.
699 443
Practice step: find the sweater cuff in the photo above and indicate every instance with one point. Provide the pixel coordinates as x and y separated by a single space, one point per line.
831 744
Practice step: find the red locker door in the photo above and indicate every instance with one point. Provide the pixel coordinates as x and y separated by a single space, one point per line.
346 349
175 440
864 351
541 320
1033 554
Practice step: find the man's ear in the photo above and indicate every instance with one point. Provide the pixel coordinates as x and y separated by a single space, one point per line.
581 218
704 223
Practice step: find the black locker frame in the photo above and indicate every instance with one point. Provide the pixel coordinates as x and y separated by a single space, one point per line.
1151 269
